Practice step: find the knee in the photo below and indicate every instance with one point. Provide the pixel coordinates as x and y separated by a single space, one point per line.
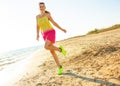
46 47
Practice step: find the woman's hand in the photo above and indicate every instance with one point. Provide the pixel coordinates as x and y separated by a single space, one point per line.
64 30
37 38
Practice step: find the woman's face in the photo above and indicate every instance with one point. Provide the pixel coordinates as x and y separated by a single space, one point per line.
42 7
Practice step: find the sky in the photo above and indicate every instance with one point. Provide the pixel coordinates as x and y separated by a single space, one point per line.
18 19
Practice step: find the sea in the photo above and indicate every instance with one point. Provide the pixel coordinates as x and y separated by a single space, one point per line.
11 57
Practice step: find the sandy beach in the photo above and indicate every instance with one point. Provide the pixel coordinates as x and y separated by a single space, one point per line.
91 60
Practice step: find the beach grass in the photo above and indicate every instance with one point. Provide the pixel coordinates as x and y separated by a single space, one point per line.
95 31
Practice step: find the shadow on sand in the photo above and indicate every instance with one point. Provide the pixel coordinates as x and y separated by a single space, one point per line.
102 82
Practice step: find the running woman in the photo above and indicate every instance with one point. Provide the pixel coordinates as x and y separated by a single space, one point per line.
43 25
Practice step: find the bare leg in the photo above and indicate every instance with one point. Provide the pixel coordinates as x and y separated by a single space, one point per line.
52 48
55 58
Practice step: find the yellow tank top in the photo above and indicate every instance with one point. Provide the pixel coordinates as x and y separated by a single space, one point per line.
44 24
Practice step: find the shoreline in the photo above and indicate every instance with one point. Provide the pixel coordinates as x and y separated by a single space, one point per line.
14 72
11 57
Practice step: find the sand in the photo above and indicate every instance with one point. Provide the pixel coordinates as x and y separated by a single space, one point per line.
91 60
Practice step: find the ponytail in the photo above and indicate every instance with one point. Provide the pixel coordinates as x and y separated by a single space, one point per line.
47 11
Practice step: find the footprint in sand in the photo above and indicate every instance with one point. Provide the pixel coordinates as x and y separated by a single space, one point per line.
39 84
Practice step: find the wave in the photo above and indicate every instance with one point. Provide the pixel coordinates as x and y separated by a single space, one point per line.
14 56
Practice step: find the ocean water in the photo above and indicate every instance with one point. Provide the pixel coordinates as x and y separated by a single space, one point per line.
14 56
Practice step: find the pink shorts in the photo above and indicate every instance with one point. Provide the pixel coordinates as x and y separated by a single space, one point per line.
49 35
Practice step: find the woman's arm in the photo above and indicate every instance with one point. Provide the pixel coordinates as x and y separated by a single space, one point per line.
37 30
55 24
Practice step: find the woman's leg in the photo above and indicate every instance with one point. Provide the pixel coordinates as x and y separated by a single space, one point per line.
60 69
55 57
51 47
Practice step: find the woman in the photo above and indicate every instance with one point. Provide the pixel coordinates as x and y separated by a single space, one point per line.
48 33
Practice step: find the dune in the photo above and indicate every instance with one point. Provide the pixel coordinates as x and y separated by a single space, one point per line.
91 60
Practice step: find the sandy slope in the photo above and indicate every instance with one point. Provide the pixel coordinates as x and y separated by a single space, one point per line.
92 60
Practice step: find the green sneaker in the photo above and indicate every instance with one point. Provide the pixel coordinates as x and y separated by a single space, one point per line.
60 69
63 50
